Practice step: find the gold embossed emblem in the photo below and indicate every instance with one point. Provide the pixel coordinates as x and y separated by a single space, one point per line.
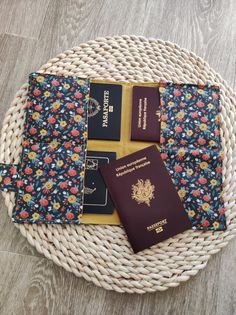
143 191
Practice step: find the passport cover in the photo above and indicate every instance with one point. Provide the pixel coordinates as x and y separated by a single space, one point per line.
145 198
145 114
104 111
96 196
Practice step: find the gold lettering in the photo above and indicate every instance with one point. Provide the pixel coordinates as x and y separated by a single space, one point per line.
159 229
157 225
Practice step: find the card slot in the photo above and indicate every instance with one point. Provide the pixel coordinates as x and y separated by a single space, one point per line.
192 151
56 108
50 185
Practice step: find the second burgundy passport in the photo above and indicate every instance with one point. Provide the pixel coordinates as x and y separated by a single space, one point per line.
145 198
145 124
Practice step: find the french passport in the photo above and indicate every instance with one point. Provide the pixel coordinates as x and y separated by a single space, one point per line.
97 199
145 124
104 111
145 197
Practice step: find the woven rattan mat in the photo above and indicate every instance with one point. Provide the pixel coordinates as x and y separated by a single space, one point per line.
102 254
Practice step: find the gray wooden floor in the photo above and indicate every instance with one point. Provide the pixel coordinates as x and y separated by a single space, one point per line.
31 32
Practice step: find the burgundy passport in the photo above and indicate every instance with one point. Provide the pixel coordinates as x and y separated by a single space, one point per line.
145 198
145 114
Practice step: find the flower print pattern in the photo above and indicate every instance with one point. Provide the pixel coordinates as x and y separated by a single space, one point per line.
191 149
8 176
49 191
56 108
51 173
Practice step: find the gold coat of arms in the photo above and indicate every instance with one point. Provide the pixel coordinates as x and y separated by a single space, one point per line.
143 191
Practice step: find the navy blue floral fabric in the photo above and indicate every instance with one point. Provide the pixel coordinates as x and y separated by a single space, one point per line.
51 172
8 176
192 152
56 108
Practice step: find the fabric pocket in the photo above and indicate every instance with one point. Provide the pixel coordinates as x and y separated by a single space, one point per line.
191 149
50 177
56 108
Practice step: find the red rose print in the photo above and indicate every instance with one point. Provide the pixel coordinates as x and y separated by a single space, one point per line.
33 131
13 170
28 171
67 144
34 147
217 132
25 143
48 217
77 149
70 105
24 214
72 172
38 108
183 181
29 188
78 95
194 115
75 133
202 180
59 95
206 198
222 211
201 141
163 156
44 202
205 157
182 142
37 92
63 185
178 129
48 159
219 169
55 83
55 133
205 223
177 93
195 152
162 139
204 119
73 190
19 183
215 96
7 180
196 193
200 104
178 168
70 216
51 120
80 110
164 117
29 104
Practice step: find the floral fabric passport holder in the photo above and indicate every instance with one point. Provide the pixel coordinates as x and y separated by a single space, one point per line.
50 177
191 149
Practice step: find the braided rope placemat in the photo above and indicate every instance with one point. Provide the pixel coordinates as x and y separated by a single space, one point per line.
102 254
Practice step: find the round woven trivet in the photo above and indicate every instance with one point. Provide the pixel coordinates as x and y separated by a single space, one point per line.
102 254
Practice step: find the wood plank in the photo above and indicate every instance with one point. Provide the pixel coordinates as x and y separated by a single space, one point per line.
15 65
22 17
